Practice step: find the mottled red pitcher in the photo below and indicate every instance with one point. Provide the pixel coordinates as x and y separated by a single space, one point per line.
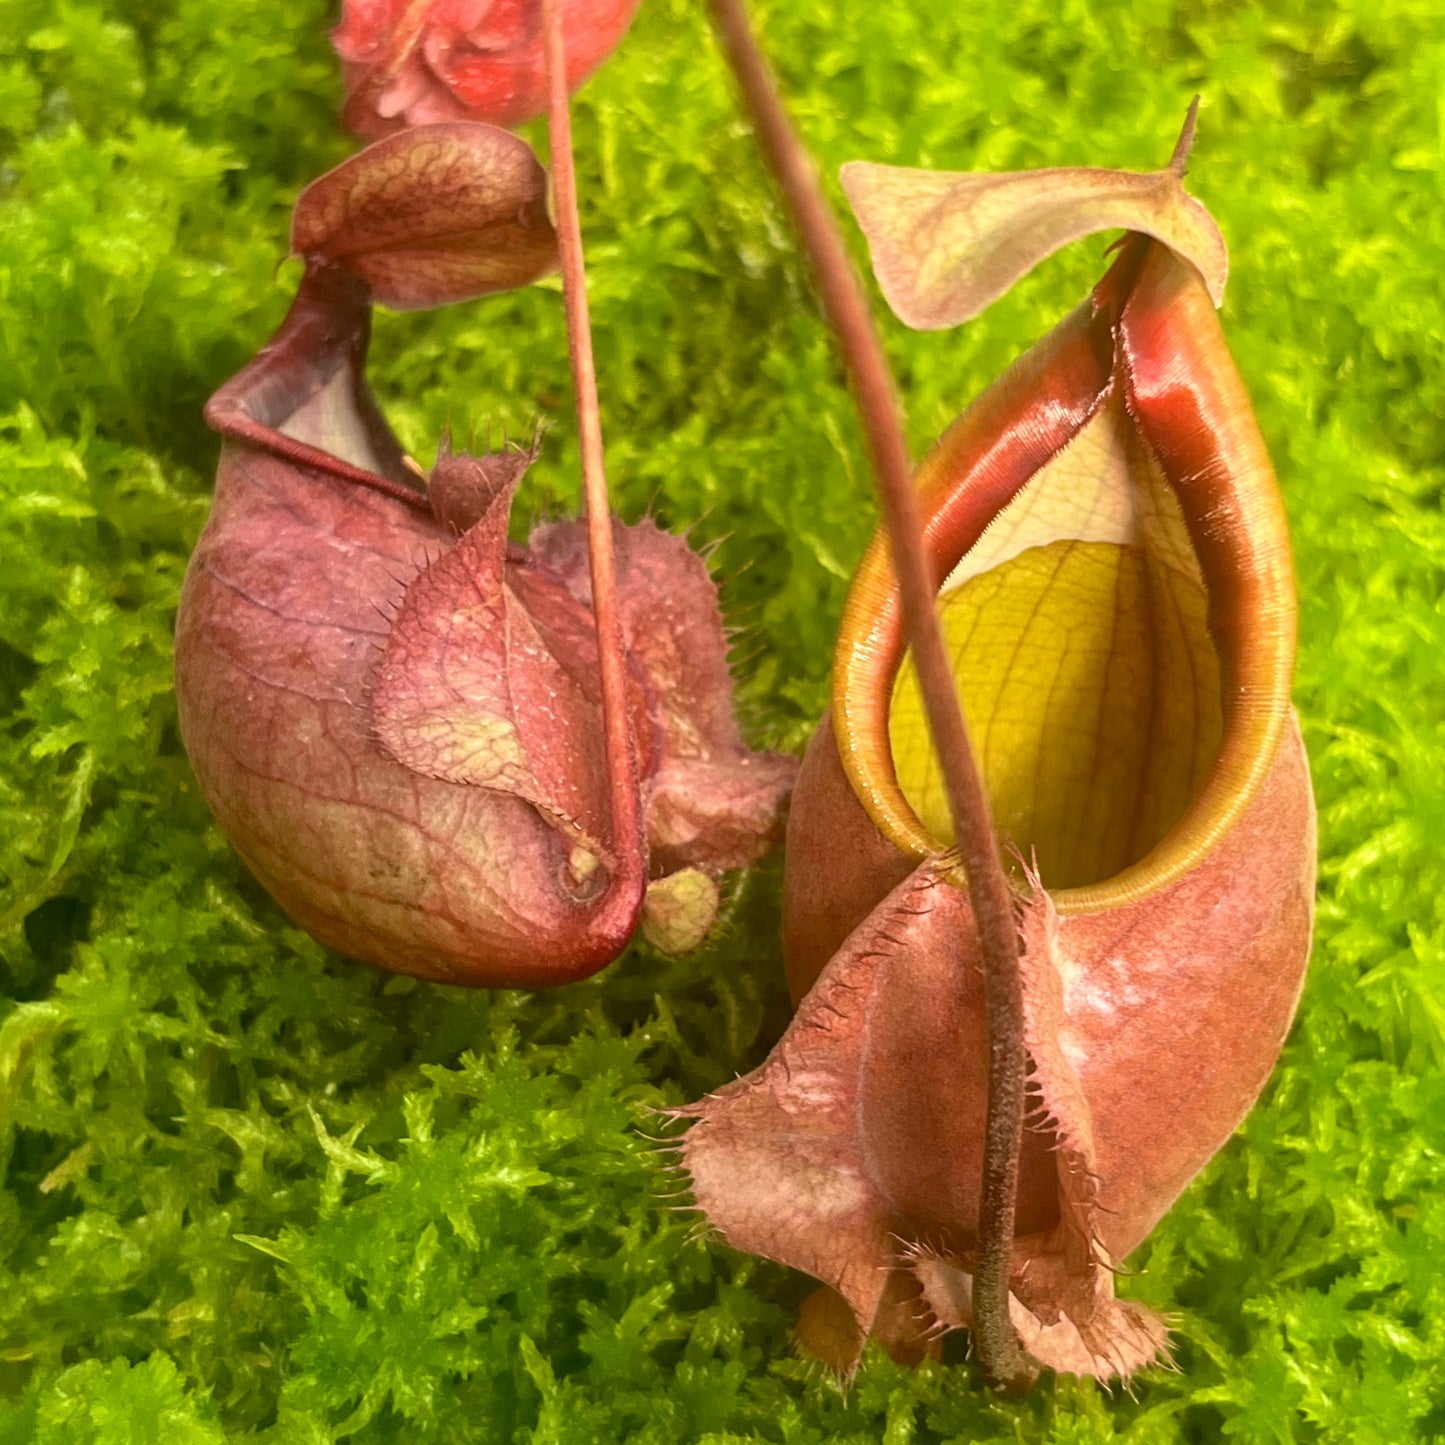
393 711
1116 588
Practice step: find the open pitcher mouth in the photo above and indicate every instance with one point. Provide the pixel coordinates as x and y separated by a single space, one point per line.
1079 633
1116 593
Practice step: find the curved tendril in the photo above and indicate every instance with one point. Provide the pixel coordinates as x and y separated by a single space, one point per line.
1002 1360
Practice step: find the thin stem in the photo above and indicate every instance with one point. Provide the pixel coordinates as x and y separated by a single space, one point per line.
845 305
621 767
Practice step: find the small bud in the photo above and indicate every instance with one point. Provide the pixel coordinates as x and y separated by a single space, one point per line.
679 910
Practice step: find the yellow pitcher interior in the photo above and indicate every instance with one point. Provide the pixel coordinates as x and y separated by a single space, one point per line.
1078 630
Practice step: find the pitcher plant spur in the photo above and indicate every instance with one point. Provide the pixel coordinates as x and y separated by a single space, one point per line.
1116 590
395 713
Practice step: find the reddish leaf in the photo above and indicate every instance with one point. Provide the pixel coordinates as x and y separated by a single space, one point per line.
437 214
469 691
710 798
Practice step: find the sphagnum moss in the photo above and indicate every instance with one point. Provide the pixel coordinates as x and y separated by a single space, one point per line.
257 1193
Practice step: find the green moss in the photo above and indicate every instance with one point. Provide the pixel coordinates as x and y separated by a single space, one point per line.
256 1193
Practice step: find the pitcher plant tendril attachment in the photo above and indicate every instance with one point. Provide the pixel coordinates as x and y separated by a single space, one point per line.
1108 546
441 752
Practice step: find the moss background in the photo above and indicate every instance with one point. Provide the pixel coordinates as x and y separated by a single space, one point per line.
256 1193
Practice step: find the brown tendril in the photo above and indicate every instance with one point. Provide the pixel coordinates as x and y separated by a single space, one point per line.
1003 1362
